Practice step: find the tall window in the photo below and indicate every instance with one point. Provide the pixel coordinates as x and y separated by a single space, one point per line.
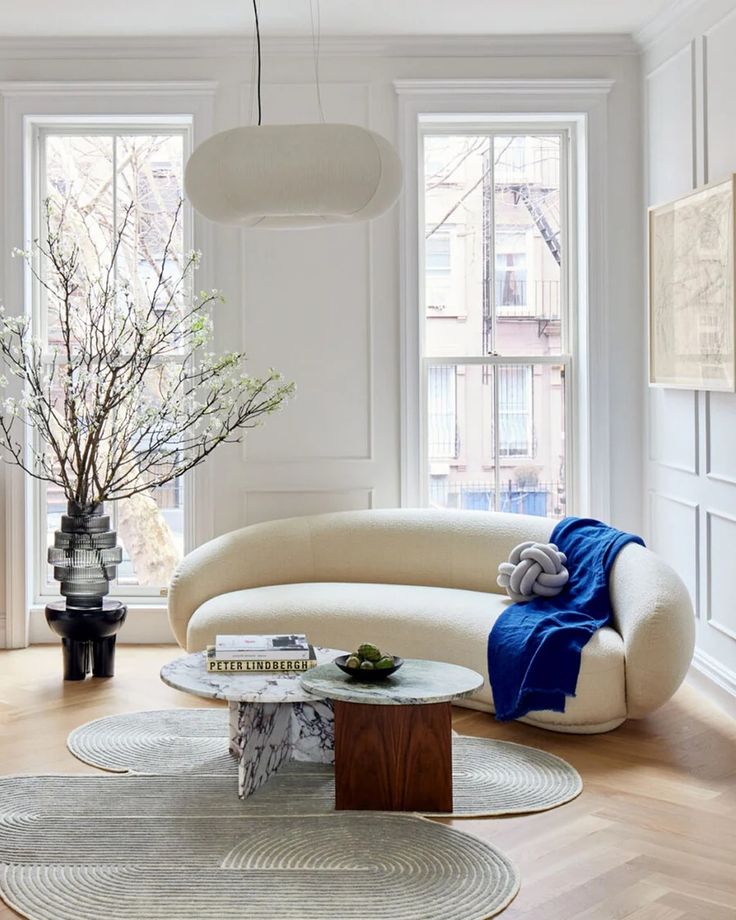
92 172
505 348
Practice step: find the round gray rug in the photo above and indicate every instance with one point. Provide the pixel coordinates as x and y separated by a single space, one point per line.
185 848
489 777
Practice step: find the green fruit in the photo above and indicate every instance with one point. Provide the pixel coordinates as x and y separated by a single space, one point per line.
353 662
385 662
370 652
366 666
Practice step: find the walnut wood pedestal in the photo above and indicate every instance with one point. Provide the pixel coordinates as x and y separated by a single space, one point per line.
393 758
393 738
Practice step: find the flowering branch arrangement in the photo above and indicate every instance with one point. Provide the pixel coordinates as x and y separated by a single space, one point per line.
129 396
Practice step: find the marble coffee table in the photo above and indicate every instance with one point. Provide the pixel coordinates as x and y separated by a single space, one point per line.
273 717
393 738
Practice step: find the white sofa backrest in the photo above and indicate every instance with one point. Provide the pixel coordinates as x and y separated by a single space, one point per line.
398 546
419 546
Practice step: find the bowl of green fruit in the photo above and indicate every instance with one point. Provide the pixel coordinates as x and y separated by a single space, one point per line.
369 663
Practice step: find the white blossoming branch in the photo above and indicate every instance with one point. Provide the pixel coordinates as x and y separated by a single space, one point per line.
131 397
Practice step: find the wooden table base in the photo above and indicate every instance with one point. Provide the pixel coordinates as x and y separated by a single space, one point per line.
393 758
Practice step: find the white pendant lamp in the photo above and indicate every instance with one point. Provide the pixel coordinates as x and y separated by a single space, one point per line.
283 176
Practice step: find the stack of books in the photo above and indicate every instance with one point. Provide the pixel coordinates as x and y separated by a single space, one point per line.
254 654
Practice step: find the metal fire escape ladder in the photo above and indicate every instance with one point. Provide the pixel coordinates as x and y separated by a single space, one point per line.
549 236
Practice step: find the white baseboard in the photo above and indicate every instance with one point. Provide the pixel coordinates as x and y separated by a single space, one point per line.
143 626
714 680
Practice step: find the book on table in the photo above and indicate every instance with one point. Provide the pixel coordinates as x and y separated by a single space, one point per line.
272 665
292 647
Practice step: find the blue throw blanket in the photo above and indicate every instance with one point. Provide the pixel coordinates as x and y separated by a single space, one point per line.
534 648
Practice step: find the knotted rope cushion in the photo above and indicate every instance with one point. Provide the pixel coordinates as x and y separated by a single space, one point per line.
533 569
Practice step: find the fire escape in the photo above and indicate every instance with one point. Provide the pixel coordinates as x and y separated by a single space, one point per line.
531 196
551 238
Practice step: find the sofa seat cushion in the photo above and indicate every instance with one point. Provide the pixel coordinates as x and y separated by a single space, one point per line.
447 624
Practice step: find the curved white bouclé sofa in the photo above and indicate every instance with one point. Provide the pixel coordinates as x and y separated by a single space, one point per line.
422 583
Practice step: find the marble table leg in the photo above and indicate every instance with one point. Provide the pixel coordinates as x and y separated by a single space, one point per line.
234 732
313 732
263 736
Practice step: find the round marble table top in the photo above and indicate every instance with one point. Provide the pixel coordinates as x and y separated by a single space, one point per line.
416 682
188 674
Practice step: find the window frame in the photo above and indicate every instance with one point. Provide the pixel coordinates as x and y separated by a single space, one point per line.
579 105
24 103
93 126
493 127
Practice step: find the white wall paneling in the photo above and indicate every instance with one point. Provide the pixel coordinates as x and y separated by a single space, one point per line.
719 99
690 75
675 530
671 152
673 429
265 505
720 540
308 298
720 437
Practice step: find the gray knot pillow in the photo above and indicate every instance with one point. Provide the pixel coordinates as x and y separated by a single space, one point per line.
533 570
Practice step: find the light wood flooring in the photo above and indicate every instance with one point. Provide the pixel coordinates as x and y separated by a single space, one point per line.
652 837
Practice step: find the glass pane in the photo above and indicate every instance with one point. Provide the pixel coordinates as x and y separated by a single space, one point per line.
442 416
531 439
527 245
460 437
454 241
492 245
79 187
90 180
525 431
150 169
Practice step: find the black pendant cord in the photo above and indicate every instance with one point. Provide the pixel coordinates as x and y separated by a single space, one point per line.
258 47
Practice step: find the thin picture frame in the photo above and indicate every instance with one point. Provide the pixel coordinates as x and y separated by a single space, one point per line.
691 290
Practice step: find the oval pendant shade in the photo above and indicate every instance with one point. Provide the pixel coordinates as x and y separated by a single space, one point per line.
282 176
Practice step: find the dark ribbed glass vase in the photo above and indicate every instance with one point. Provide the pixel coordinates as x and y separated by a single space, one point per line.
85 557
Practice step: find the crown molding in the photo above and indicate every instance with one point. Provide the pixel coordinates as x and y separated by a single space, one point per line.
133 47
543 87
106 88
669 16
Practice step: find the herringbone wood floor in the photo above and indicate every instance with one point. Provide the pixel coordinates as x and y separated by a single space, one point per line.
652 837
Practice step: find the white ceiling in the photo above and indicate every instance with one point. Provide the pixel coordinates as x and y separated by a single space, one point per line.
339 17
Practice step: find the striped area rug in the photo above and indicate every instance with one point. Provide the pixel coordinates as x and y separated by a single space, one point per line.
489 777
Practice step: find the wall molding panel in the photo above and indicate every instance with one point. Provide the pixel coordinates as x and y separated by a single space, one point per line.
724 433
674 520
675 428
719 576
272 504
281 256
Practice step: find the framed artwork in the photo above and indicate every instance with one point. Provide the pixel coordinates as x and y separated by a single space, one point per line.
692 332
